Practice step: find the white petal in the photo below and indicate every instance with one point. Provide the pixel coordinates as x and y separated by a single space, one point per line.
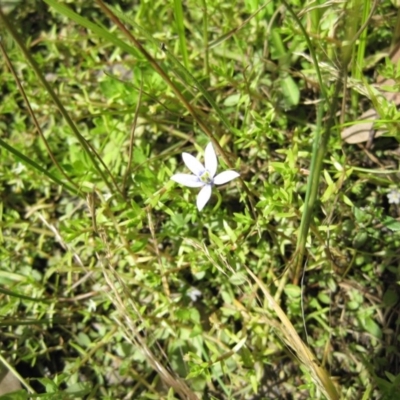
187 180
193 164
225 177
194 293
203 196
210 159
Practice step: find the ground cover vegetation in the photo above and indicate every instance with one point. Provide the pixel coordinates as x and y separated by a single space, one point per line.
113 285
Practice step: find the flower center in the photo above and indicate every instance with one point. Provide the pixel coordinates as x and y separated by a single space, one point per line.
206 177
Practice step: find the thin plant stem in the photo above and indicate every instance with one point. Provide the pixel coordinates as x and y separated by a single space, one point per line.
17 375
321 139
219 201
181 31
205 39
131 138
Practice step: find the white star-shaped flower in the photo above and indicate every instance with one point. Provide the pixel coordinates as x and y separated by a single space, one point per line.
203 176
394 196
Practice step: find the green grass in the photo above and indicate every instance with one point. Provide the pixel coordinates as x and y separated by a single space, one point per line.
113 285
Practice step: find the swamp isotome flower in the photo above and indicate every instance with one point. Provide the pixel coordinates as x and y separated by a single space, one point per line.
203 176
394 196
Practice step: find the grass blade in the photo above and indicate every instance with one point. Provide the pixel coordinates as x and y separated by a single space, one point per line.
181 31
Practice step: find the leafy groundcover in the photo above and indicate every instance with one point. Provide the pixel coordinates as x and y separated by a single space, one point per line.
267 267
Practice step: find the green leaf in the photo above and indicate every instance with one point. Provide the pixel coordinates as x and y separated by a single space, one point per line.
390 298
50 386
19 395
372 327
292 291
391 224
290 91
238 278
